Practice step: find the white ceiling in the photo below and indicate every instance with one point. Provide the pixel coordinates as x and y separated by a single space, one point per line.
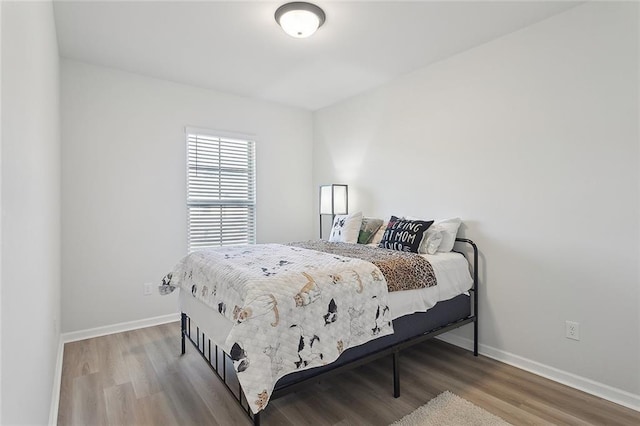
237 47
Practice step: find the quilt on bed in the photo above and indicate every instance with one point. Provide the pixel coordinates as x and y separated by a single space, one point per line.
292 308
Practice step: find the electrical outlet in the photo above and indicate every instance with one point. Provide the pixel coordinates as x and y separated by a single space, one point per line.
147 289
572 330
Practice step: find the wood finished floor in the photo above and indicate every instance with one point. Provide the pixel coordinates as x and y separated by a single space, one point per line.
139 378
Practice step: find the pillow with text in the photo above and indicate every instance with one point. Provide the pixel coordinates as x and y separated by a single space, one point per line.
404 234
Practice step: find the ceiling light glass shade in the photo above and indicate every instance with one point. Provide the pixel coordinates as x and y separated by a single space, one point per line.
300 19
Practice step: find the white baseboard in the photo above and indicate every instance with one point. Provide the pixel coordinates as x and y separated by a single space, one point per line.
118 328
592 387
57 379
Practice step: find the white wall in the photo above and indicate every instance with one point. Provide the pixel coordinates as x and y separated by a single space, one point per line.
533 140
0 211
30 211
124 197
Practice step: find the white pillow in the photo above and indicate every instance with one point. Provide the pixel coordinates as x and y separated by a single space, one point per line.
432 241
346 228
377 237
449 229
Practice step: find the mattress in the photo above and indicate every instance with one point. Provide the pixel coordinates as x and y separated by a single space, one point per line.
451 270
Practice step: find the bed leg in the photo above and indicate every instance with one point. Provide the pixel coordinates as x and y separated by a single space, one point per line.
183 330
476 283
396 374
475 337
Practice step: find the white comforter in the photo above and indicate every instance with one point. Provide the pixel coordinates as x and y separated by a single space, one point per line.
291 308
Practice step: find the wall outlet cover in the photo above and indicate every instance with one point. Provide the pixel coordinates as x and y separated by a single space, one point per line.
147 289
572 330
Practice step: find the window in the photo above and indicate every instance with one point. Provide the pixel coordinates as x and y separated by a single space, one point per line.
220 190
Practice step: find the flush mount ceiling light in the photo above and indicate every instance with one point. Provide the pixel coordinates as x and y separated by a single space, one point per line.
300 19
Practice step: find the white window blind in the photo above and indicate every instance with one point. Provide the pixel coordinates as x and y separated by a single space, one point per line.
221 191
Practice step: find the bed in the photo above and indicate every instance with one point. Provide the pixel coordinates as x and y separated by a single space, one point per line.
408 316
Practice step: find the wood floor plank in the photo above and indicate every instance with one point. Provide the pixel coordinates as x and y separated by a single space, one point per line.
87 401
139 367
551 414
140 378
65 403
120 404
188 406
302 412
82 356
110 359
162 355
155 410
214 394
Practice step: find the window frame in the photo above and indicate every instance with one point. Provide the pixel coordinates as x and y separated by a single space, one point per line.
250 202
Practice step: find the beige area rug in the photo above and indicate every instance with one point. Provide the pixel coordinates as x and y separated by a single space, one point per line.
448 409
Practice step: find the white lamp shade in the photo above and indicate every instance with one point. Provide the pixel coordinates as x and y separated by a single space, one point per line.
333 199
325 200
340 199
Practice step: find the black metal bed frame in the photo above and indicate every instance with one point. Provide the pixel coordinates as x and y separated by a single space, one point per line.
204 347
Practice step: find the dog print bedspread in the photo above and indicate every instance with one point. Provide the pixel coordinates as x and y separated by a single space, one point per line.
292 308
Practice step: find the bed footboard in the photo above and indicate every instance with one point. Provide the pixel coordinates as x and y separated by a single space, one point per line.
219 363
